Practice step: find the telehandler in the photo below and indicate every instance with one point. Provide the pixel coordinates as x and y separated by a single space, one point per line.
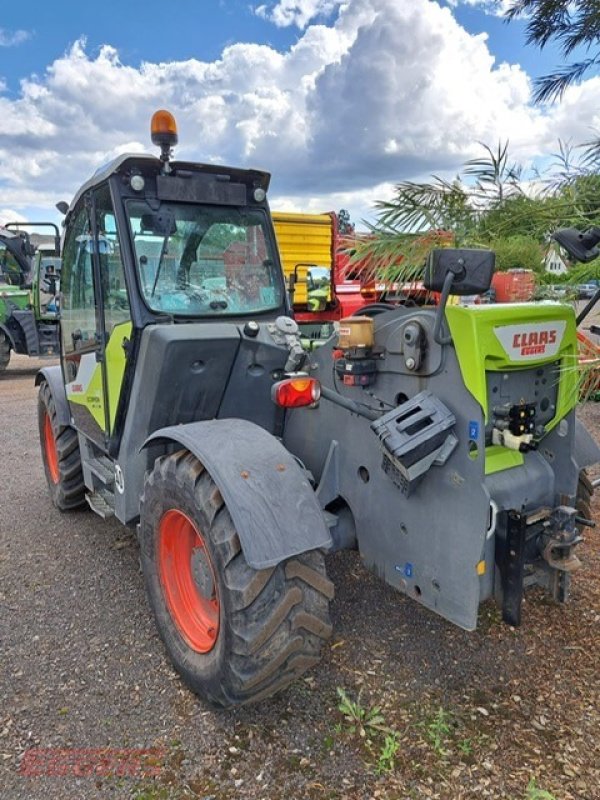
441 442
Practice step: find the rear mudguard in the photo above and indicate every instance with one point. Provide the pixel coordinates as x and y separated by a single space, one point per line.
585 450
54 378
272 504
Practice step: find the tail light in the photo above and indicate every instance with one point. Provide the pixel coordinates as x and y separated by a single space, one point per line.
296 392
368 290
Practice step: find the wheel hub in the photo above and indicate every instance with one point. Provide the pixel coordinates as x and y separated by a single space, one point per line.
202 572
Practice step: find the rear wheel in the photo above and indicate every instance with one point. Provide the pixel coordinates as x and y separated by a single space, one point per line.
4 351
235 634
60 454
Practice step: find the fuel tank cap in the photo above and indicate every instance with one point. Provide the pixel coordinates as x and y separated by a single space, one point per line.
251 328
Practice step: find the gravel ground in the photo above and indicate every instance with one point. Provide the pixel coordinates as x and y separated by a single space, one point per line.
485 714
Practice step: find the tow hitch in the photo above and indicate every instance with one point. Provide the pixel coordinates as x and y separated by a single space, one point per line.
538 549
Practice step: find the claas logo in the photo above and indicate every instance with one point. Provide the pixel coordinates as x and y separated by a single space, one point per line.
534 342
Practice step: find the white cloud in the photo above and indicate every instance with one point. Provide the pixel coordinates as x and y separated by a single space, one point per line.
13 38
8 215
496 8
387 91
296 12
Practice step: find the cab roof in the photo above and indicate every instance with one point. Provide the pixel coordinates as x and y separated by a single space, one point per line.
149 163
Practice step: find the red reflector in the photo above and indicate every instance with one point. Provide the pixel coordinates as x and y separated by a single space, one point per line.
296 392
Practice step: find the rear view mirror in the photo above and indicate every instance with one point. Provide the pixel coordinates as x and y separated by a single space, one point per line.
472 270
580 246
161 223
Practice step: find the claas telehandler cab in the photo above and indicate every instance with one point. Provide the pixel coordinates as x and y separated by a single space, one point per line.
440 442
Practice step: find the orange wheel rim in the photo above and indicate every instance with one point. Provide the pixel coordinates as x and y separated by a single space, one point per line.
50 448
188 580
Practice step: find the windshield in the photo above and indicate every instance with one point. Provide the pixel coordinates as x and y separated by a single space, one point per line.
204 260
10 269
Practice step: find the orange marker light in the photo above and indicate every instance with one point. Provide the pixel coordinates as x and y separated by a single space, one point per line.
163 128
296 392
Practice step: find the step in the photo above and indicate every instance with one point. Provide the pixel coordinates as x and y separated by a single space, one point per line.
103 469
102 503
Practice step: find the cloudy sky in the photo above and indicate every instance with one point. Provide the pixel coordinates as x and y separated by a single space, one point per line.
338 99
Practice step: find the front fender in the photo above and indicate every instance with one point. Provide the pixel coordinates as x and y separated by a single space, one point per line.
10 336
54 378
272 504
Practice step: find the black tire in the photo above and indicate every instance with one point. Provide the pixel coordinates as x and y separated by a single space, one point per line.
4 351
66 486
585 494
273 623
374 309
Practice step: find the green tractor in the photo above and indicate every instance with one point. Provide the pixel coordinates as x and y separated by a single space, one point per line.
441 442
29 294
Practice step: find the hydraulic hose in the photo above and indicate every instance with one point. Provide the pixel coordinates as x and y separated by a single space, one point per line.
349 405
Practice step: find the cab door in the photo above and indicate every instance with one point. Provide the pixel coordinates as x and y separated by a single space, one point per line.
95 317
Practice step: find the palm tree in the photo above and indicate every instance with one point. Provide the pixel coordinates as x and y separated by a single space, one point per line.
573 25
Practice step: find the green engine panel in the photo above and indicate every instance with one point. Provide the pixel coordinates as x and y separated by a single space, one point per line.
540 333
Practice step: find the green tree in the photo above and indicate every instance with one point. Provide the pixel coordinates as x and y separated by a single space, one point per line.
483 204
518 252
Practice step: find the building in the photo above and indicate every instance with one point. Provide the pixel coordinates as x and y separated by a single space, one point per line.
554 263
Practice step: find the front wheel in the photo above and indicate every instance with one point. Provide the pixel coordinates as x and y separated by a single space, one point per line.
234 633
60 454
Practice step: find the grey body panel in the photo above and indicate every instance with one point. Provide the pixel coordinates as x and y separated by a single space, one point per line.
271 502
54 378
203 371
429 544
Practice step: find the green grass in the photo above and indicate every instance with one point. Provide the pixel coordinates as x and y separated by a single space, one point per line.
364 720
533 793
385 762
438 730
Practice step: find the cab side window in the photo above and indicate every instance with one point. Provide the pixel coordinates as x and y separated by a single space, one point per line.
78 309
114 289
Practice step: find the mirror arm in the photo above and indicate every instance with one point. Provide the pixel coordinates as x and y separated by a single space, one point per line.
439 317
583 314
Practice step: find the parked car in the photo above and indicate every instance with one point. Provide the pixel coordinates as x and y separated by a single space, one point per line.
587 290
554 292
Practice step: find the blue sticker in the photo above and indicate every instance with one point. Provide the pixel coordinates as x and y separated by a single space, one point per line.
408 570
473 430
